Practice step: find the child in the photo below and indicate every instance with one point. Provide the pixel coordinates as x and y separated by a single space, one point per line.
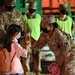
15 49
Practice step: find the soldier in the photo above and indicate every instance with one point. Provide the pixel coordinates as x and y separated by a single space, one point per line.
65 22
9 15
32 29
59 42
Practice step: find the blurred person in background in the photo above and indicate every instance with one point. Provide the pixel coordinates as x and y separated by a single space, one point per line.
32 32
64 21
9 15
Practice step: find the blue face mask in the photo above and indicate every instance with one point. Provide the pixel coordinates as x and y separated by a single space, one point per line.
18 36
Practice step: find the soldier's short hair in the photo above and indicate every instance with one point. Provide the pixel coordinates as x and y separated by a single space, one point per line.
32 3
62 6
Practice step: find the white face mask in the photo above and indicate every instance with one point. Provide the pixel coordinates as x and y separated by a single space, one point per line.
18 36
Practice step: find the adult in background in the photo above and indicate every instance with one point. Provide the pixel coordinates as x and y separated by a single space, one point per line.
60 43
9 15
32 31
65 22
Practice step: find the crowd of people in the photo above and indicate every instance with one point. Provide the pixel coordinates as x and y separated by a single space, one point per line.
38 31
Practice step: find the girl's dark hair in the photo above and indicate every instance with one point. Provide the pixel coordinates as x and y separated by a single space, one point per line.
12 29
55 25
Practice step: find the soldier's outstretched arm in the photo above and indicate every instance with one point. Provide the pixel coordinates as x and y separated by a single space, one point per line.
40 43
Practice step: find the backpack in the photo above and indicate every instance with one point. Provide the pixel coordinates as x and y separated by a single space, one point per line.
5 62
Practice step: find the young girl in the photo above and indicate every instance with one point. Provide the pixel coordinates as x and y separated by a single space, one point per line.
15 49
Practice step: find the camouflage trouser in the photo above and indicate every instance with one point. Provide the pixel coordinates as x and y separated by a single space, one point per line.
36 56
66 62
69 64
28 60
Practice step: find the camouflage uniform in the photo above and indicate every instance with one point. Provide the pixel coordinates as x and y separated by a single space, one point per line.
61 45
7 18
63 48
32 26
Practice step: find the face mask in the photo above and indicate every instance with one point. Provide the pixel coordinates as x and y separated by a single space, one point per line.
32 10
45 30
10 8
18 36
63 11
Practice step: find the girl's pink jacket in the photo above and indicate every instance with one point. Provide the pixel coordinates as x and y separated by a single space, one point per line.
20 51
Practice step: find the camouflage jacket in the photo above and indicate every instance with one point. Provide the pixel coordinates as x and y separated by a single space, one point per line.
7 18
63 48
